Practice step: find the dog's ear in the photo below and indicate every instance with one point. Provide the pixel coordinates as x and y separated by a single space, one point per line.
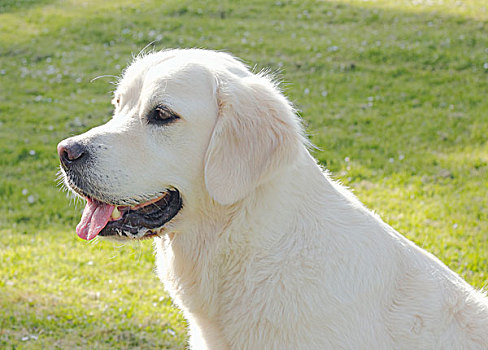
256 133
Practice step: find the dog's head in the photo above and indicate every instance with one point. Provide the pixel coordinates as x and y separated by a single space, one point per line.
190 127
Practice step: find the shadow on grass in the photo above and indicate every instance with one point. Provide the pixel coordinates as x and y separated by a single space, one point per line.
20 5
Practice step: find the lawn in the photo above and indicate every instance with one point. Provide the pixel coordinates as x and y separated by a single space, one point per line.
393 94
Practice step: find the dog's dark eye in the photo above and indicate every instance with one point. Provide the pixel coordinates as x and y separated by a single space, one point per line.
162 115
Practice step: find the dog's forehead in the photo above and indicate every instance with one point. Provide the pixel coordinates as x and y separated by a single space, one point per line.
156 73
183 76
189 66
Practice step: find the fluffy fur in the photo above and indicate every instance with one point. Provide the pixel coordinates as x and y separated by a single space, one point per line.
268 252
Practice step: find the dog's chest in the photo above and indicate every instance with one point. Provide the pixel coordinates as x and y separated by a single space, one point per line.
189 274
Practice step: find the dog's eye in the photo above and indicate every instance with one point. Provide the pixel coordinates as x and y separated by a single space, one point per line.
162 115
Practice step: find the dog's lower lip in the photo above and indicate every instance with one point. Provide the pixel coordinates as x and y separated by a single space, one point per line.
144 217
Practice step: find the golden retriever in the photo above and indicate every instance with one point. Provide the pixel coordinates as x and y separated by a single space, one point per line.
255 243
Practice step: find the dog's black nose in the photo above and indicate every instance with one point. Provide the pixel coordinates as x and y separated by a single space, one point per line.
70 152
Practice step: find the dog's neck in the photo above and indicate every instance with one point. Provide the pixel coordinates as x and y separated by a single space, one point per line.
246 226
285 196
281 219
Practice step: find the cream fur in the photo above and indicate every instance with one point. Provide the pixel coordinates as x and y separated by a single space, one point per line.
268 252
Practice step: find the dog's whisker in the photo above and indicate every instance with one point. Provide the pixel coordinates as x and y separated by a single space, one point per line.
157 206
143 51
104 76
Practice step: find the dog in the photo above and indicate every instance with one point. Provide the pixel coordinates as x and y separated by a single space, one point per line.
254 241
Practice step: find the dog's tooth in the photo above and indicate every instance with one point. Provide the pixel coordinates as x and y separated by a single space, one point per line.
116 214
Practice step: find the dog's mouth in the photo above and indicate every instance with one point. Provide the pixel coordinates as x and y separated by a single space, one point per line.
137 222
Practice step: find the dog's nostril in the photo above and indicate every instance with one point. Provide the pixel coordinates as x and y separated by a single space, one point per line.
70 152
65 155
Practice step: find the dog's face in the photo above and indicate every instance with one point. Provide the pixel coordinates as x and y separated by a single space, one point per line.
177 138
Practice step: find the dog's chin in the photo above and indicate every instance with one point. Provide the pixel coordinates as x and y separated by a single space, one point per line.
127 236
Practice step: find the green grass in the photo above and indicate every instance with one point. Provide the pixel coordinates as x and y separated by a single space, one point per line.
55 294
392 92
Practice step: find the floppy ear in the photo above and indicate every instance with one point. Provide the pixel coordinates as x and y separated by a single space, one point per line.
256 134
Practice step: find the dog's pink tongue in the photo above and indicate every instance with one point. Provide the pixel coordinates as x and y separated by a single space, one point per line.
95 217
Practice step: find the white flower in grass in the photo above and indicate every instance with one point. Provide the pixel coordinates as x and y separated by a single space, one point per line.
51 70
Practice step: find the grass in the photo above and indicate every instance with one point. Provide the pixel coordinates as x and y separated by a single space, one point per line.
56 296
392 92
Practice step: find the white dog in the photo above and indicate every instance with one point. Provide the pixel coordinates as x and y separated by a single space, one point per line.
255 243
